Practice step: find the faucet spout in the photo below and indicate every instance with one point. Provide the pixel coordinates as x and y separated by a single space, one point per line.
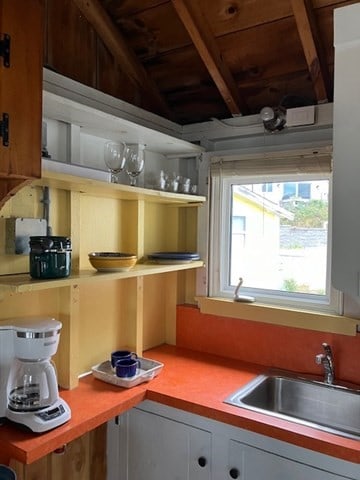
327 360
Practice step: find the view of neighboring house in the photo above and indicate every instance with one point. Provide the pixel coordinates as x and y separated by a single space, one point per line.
268 252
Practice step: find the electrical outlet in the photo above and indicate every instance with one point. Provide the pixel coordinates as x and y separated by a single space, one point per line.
19 231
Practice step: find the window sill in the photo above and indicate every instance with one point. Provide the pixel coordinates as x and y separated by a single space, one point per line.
322 322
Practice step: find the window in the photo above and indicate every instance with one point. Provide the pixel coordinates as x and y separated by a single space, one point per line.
270 226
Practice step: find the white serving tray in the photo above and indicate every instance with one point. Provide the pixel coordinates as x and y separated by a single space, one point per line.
148 370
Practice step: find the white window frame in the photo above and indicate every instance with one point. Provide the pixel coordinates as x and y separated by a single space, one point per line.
219 236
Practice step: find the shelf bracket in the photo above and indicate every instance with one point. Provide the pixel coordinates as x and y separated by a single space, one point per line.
4 129
5 50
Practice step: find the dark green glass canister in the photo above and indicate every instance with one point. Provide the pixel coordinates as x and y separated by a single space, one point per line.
50 257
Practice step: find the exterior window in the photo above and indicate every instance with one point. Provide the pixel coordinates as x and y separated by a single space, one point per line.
267 187
275 235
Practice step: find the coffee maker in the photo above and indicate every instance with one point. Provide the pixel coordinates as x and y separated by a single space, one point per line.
28 382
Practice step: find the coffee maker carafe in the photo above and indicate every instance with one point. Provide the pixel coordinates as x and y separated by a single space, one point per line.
32 397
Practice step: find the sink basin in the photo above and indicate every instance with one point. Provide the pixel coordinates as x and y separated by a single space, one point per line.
333 408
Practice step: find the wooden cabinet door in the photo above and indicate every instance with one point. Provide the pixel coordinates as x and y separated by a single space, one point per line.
160 448
81 459
21 93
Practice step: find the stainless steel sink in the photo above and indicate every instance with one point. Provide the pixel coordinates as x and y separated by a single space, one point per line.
332 408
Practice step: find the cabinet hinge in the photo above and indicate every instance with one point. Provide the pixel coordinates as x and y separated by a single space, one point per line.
4 129
5 49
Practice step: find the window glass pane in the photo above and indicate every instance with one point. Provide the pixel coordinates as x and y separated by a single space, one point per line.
284 245
304 190
289 190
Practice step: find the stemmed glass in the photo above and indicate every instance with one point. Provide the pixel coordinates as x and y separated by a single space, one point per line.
135 163
115 156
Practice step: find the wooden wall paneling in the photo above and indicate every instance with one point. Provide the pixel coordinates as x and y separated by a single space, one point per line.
132 310
102 322
267 52
229 17
197 103
188 239
9 187
74 462
97 453
70 351
83 459
39 303
129 7
333 3
112 80
148 34
75 231
270 91
124 55
71 47
258 58
183 67
60 212
132 234
161 228
99 227
225 17
26 204
39 470
172 299
156 303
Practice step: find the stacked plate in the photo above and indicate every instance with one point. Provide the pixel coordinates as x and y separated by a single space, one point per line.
173 257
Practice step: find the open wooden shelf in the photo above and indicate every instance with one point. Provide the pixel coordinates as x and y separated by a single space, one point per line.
88 186
20 283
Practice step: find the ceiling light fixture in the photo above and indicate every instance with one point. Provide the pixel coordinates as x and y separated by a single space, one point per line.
273 118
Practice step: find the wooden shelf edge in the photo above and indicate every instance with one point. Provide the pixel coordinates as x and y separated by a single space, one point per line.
21 283
90 186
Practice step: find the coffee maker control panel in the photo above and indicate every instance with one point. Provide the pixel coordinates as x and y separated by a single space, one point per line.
48 415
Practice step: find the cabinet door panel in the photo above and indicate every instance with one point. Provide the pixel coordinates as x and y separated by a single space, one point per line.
162 448
261 465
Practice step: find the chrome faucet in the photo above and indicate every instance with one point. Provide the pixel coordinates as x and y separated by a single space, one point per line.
327 360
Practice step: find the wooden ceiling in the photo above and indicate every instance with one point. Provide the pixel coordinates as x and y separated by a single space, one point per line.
199 59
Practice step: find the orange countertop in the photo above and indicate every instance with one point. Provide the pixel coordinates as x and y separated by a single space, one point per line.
192 381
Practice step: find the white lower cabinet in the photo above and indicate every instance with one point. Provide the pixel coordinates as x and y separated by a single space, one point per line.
153 447
155 442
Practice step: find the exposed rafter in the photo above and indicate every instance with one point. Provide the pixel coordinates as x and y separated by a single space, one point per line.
207 48
125 57
306 26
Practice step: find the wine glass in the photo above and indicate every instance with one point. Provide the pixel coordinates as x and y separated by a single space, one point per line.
115 155
135 163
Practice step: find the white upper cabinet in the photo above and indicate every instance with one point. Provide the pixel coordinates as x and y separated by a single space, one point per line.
346 147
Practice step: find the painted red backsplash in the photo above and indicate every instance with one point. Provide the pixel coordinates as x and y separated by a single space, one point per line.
265 344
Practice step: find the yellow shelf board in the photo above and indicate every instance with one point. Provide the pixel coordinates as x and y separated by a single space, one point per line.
20 283
89 186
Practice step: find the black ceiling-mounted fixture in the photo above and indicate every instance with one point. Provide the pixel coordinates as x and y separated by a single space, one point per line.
274 119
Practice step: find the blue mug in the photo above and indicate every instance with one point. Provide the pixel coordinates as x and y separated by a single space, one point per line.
122 355
127 368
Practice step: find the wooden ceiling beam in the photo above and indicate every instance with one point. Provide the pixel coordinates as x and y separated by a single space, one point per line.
98 18
310 39
208 50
